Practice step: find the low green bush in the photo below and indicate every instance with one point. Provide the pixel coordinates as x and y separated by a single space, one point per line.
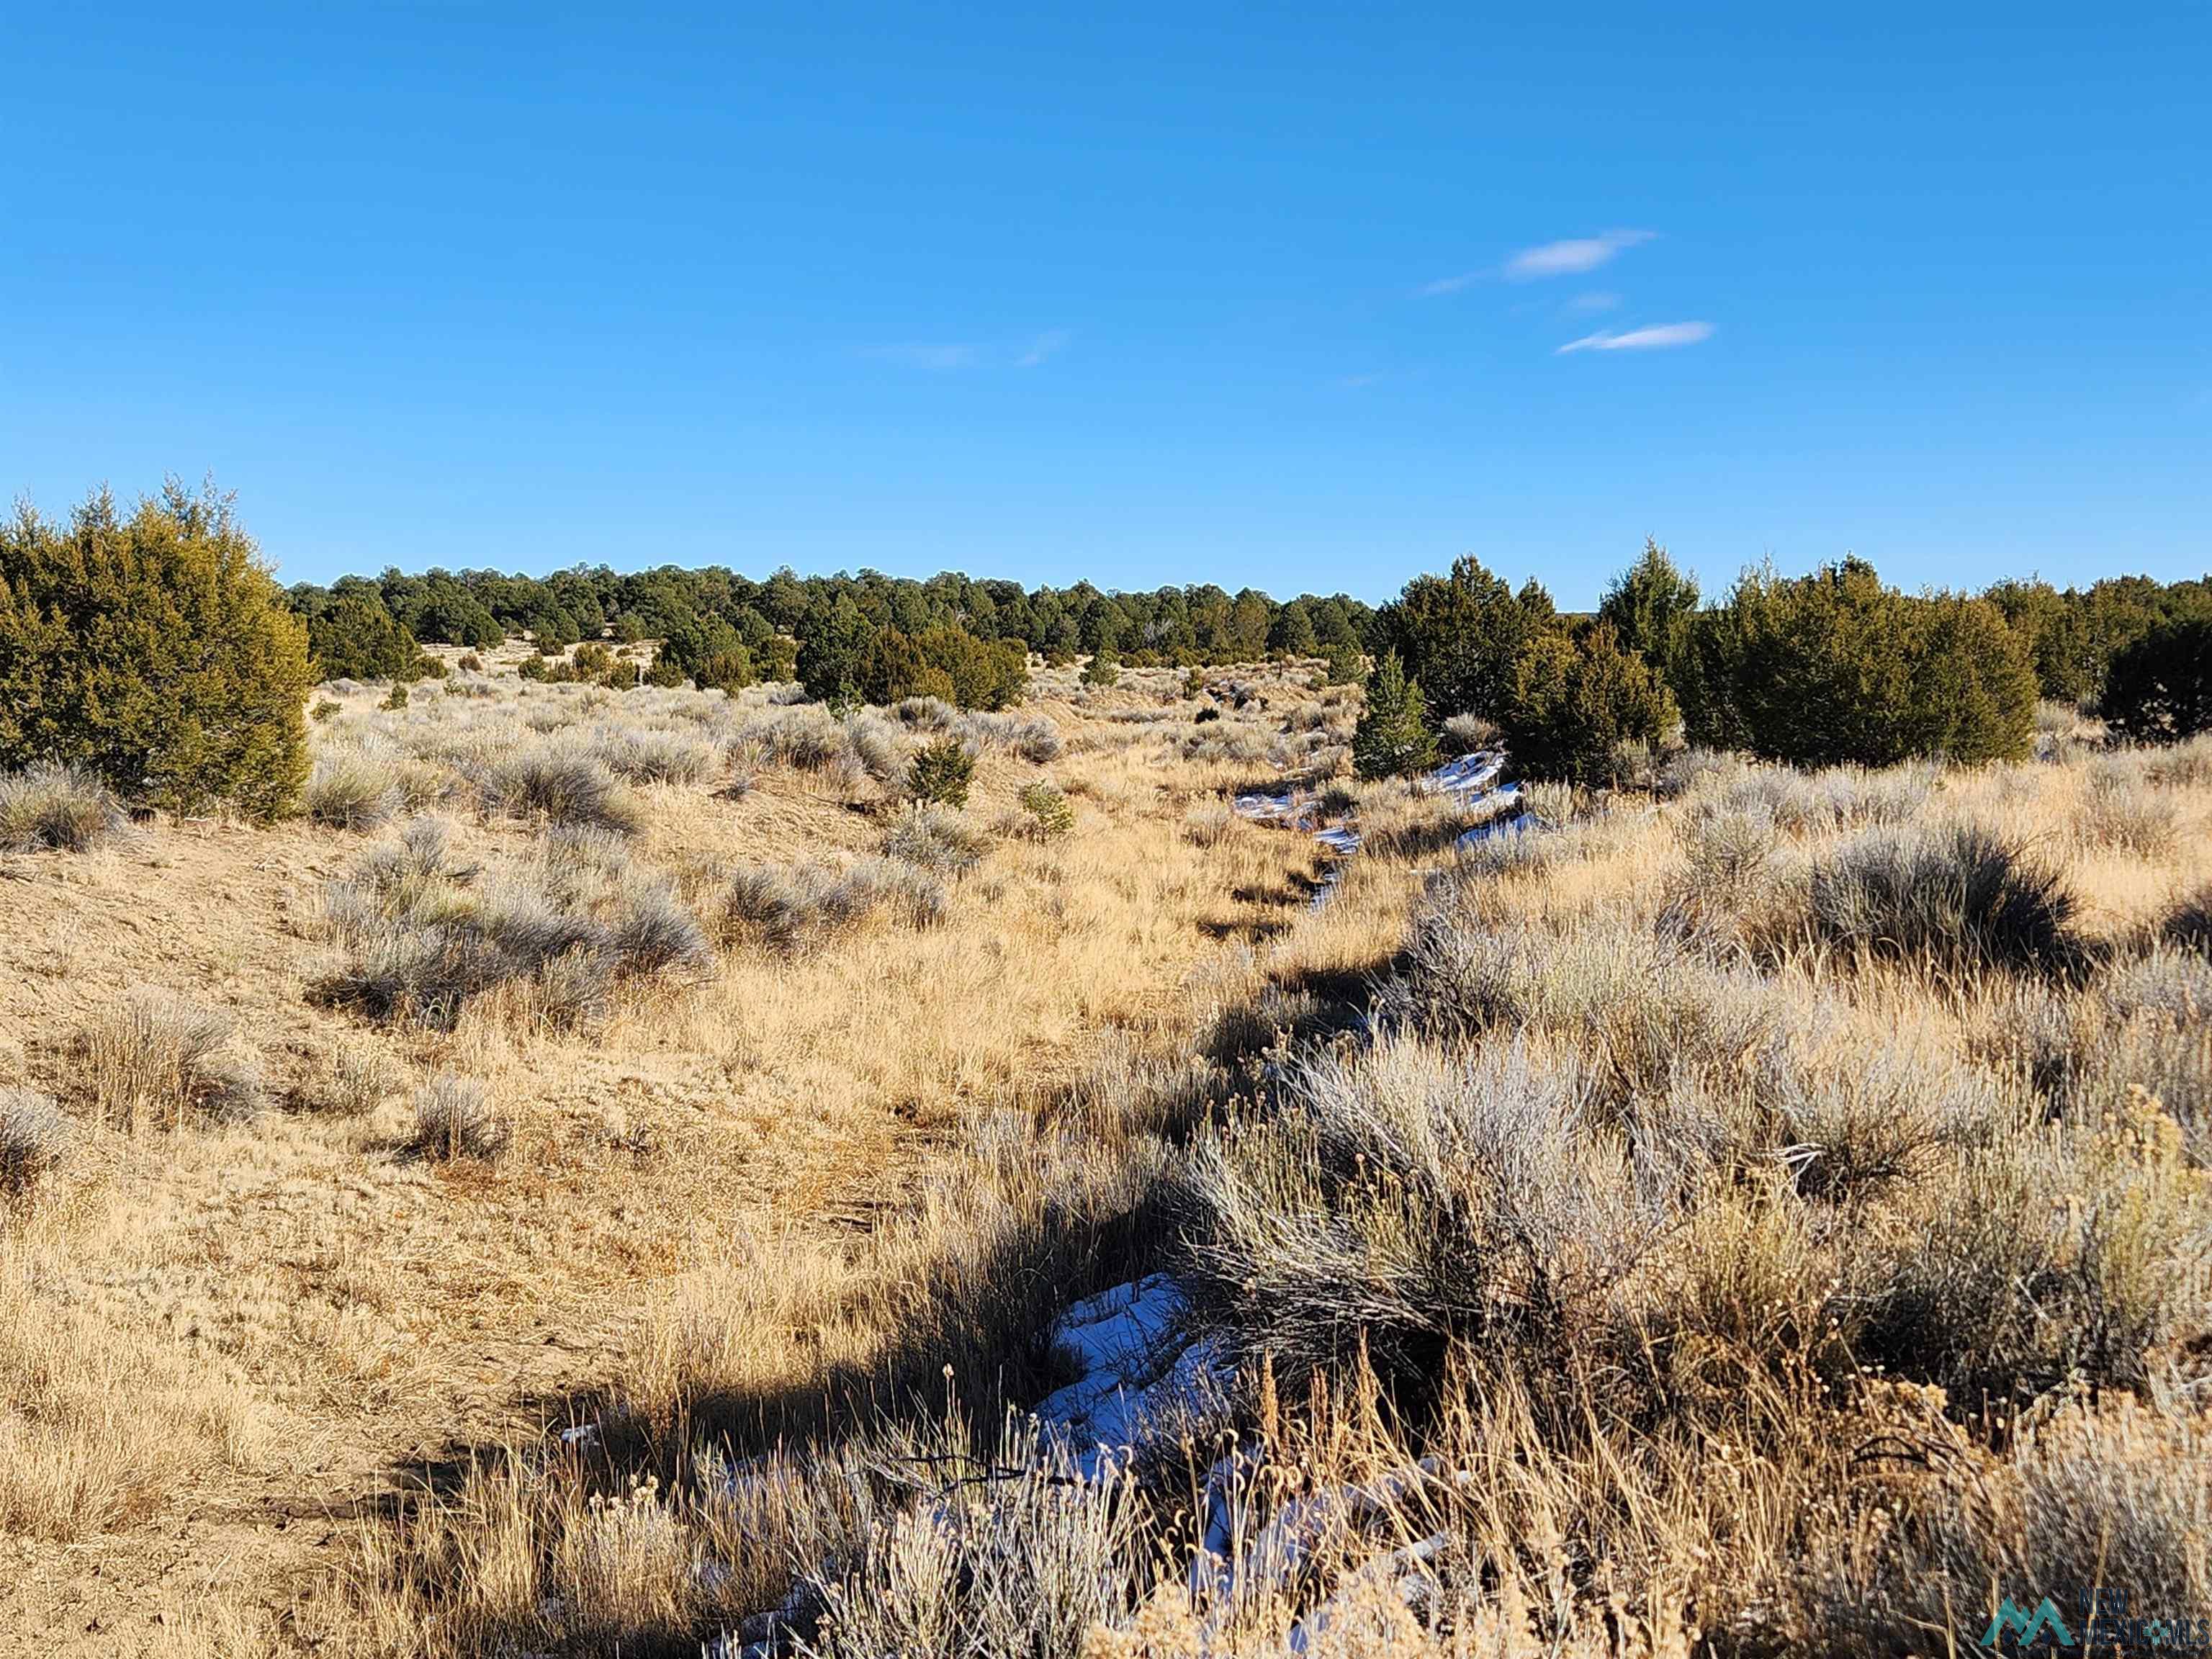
940 772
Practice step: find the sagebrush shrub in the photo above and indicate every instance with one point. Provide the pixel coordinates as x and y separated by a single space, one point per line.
422 938
925 713
913 895
932 838
2039 1258
2186 765
2142 1026
879 743
355 1079
1960 898
654 756
652 933
1038 742
1734 882
61 808
34 1140
2127 810
566 787
2103 1493
806 738
1407 1198
775 908
789 908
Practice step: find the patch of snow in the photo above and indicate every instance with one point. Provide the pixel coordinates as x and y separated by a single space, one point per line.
1117 1330
1469 775
1517 823
1135 1370
1264 808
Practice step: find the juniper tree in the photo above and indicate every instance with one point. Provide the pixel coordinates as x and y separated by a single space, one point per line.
155 650
1393 738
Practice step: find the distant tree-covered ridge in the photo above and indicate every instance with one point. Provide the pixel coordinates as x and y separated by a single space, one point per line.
864 633
153 648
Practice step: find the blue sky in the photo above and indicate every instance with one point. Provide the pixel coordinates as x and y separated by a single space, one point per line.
1308 298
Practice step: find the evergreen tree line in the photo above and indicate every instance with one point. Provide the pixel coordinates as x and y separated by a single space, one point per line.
1823 669
153 649
859 635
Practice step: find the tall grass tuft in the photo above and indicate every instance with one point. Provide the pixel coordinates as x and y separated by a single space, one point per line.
156 1055
57 808
348 790
454 1119
1030 1561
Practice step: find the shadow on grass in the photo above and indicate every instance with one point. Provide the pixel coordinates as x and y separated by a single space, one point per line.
976 1337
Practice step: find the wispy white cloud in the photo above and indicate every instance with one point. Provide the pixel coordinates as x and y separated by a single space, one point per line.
1572 257
924 354
940 356
1050 344
1595 301
1658 338
1352 381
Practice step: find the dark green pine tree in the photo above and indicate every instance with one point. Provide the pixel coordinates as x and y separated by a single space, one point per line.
1393 738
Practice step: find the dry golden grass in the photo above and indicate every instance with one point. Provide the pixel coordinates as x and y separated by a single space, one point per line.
290 1385
222 1343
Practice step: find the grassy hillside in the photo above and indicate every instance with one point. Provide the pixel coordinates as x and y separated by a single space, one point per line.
612 1175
